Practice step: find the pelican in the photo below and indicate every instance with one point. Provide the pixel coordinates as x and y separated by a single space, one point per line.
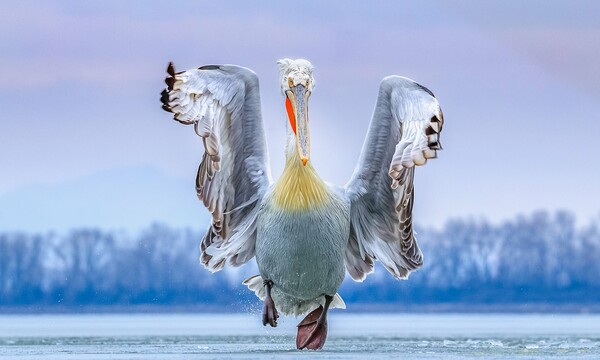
304 232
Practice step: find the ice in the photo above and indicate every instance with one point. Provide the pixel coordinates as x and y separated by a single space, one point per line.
351 336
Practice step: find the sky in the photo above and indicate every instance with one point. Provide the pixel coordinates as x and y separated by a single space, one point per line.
519 84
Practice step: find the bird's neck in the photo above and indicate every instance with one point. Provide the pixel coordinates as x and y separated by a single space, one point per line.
299 187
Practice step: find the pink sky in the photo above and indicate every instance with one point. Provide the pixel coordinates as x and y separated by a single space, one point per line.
519 86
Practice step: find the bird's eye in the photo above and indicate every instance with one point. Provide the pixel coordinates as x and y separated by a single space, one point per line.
307 83
290 82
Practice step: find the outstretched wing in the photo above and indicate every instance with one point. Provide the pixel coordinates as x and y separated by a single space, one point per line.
222 102
404 132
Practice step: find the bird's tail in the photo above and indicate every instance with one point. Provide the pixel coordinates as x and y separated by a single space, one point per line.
256 284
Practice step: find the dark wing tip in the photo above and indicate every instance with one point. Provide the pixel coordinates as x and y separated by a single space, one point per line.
170 81
436 119
429 131
439 120
210 67
164 98
171 69
435 145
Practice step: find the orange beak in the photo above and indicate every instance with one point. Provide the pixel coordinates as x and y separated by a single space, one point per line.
296 104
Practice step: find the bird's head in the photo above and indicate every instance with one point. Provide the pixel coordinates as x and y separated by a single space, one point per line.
296 85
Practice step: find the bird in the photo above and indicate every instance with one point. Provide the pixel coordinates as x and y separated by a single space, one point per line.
305 234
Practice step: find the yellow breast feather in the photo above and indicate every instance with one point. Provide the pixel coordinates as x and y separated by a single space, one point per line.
299 187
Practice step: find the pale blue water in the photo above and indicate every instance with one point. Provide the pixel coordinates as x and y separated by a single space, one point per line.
194 336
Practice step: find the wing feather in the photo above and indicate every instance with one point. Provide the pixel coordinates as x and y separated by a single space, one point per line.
222 103
404 132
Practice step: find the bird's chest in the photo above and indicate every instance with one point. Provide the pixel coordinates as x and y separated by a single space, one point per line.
303 250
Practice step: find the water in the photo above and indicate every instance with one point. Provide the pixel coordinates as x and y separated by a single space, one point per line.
201 336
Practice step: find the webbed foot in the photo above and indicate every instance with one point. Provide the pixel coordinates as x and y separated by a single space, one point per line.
312 330
270 314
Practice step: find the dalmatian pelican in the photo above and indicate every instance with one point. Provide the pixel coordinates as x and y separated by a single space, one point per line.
305 233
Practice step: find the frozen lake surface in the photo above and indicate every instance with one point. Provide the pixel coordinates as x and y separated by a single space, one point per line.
235 336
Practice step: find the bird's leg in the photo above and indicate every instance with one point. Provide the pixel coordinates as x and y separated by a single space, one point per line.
269 311
312 330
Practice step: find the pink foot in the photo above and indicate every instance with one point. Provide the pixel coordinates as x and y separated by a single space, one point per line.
270 314
312 331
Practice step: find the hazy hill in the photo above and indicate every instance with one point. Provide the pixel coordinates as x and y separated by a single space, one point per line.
127 198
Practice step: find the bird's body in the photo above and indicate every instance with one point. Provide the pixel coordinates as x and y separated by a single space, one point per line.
311 231
306 234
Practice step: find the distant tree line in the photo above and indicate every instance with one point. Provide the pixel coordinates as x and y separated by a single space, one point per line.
531 259
541 258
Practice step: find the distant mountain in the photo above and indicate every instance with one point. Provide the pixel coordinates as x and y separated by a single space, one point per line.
128 198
